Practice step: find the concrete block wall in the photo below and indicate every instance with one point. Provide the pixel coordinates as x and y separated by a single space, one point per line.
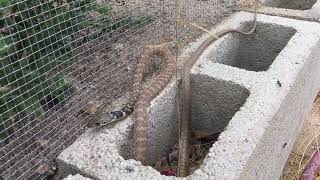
256 90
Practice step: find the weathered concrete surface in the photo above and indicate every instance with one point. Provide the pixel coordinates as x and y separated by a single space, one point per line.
297 9
292 4
76 177
260 104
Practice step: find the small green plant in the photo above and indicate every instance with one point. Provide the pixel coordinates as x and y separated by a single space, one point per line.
36 40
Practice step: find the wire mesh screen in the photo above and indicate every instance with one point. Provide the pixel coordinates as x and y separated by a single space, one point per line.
59 57
56 58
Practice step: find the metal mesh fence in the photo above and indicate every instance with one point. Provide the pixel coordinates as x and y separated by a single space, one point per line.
61 57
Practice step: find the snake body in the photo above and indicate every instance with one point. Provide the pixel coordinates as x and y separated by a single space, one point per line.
185 96
140 107
139 101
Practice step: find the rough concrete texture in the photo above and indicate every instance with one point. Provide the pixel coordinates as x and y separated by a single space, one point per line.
260 108
292 4
76 177
297 9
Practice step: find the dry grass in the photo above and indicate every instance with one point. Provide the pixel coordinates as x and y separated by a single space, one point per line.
306 144
247 3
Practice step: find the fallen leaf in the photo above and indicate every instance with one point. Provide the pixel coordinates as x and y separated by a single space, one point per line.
168 172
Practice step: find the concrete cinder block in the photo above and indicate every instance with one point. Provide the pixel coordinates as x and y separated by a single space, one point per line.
256 89
298 9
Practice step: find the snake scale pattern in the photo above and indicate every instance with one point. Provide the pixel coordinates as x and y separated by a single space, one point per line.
140 107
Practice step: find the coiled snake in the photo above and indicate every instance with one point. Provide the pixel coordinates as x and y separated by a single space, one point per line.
139 100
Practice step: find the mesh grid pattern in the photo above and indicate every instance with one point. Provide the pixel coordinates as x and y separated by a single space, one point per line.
59 56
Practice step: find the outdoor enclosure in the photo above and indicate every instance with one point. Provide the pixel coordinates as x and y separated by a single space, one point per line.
63 59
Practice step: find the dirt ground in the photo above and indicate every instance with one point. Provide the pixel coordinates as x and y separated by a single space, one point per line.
305 145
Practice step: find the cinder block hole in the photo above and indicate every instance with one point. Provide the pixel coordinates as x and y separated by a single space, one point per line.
214 104
292 4
255 52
